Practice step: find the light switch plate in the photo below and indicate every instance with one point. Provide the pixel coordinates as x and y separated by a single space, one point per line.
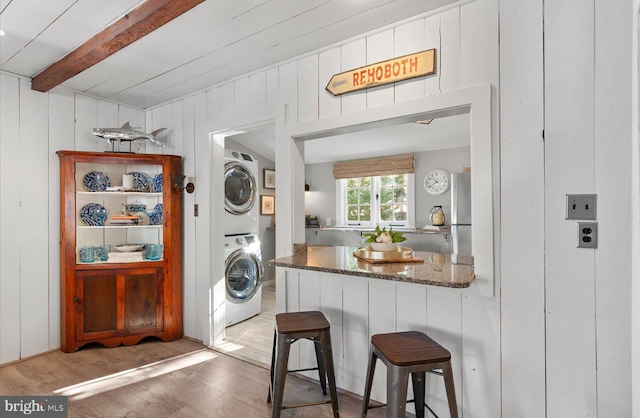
581 206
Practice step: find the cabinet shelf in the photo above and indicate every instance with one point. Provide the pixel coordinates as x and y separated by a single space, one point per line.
128 264
158 194
120 227
118 302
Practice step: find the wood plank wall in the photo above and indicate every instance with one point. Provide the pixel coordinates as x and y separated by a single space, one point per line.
587 148
562 311
33 127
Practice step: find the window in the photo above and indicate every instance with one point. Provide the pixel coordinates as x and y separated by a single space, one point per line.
376 200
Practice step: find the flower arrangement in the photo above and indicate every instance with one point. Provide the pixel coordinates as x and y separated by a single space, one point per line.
383 236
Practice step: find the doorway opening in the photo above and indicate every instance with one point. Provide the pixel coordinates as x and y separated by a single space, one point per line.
249 242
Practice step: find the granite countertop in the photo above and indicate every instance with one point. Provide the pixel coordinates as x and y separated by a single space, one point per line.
444 229
436 270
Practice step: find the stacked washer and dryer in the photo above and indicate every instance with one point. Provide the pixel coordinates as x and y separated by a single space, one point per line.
243 261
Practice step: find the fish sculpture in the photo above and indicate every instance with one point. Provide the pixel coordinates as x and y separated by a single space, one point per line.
127 133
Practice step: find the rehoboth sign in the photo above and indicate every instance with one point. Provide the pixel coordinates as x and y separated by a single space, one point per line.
384 72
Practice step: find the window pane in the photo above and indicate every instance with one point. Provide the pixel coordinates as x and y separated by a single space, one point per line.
365 196
400 180
400 213
385 213
400 195
386 180
352 213
365 213
352 197
365 182
352 183
386 195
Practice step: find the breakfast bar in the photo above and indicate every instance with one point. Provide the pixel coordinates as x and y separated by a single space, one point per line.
434 293
436 269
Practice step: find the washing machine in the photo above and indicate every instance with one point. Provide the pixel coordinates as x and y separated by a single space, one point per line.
243 277
240 193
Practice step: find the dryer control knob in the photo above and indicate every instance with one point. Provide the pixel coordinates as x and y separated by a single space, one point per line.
240 241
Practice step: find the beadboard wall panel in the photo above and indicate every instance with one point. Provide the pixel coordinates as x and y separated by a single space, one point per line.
288 89
570 274
242 94
308 88
309 296
355 305
33 238
86 118
478 31
61 109
258 90
331 300
189 311
34 127
273 87
522 148
328 65
464 324
612 75
380 48
444 324
382 318
354 55
200 282
409 39
449 51
10 325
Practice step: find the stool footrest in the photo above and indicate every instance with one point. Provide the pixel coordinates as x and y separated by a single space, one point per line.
409 401
302 370
302 405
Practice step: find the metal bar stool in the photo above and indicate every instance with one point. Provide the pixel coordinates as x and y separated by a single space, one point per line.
407 353
291 327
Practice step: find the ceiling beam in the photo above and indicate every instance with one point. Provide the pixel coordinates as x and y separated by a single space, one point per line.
139 22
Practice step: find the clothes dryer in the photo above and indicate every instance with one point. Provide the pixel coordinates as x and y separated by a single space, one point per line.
241 193
243 277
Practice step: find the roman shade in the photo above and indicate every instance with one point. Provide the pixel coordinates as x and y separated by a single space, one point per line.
370 167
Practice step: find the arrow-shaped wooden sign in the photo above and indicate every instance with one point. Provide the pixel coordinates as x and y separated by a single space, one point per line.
384 72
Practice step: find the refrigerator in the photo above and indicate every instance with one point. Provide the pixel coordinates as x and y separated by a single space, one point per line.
461 213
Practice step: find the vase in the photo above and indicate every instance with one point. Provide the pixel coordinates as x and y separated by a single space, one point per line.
384 246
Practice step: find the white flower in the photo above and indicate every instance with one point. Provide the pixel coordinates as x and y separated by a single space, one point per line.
384 237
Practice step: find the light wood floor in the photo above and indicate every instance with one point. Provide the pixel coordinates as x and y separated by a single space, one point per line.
252 340
182 378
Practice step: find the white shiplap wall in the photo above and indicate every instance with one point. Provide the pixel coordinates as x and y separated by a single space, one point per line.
34 126
561 312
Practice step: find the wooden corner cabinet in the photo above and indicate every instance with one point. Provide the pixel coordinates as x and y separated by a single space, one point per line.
120 248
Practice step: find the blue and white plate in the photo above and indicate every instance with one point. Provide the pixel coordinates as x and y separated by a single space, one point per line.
140 181
93 214
96 181
157 183
155 217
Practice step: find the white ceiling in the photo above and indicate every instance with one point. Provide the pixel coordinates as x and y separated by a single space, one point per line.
216 41
441 133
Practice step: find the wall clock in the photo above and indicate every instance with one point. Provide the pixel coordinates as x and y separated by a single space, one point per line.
437 181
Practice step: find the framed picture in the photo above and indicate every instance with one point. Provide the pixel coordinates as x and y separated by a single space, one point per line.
269 178
267 205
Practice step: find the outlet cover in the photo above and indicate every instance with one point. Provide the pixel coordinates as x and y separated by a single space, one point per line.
587 235
581 206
